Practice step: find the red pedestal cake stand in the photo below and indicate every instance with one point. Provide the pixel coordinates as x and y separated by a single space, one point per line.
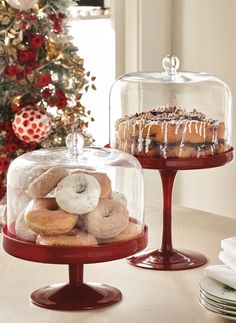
168 258
76 295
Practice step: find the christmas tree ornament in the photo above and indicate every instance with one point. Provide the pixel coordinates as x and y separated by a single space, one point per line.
22 4
31 124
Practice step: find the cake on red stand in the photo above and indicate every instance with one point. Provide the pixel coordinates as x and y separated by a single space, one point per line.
171 121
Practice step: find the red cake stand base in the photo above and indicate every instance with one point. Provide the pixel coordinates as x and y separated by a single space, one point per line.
173 260
76 295
167 257
75 298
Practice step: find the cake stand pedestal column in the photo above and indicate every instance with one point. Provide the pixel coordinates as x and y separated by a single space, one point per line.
167 258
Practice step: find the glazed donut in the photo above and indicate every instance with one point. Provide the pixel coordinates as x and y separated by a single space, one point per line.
74 238
46 182
23 232
132 231
78 193
102 178
108 220
120 197
45 217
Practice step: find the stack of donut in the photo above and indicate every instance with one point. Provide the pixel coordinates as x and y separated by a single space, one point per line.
74 208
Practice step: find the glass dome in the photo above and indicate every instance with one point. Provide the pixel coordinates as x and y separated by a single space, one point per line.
75 197
170 113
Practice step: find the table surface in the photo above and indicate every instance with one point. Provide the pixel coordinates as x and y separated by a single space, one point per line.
148 296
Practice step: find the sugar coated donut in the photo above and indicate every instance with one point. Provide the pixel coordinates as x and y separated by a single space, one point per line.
45 217
78 193
3 214
23 232
46 182
102 178
80 222
74 238
22 176
21 200
109 219
119 197
104 182
132 231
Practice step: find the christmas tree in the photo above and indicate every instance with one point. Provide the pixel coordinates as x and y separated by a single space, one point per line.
42 79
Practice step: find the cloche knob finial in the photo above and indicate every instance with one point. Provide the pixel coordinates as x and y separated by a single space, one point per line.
74 143
170 64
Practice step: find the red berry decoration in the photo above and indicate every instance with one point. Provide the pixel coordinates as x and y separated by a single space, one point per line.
32 124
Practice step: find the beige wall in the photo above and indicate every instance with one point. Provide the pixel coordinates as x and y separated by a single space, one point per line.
202 34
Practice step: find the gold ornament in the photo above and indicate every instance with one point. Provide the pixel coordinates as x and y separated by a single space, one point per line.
52 50
14 36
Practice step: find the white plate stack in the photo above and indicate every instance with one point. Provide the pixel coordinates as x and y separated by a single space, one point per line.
218 298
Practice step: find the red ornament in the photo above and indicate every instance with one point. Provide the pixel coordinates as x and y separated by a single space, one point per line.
31 124
26 56
4 164
36 40
12 70
44 80
3 190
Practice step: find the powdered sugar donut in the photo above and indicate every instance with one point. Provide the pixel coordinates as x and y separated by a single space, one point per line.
78 193
3 214
132 231
22 176
46 182
119 197
80 222
19 201
108 220
102 178
23 232
104 182
74 238
45 217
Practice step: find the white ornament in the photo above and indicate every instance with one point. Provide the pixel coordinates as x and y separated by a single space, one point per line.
22 4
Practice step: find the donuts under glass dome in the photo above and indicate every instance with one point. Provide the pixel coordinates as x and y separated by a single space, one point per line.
75 206
47 169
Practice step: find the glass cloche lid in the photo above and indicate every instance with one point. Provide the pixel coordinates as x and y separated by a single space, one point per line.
75 196
170 113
